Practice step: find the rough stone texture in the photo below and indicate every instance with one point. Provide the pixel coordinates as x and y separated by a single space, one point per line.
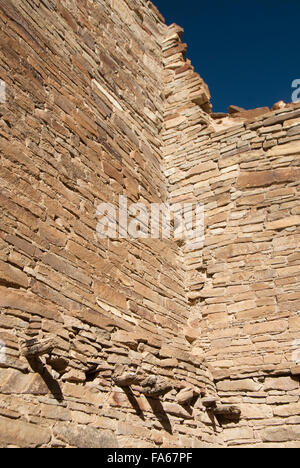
102 102
244 279
85 437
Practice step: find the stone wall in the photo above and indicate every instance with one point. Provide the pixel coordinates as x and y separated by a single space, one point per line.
82 125
139 343
243 282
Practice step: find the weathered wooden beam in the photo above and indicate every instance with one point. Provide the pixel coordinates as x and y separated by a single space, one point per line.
229 411
37 347
126 379
209 402
155 386
186 395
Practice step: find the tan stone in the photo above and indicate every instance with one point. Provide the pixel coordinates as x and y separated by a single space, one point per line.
287 410
281 383
174 122
251 200
12 275
55 412
291 123
201 168
276 326
295 370
246 385
192 334
265 178
52 235
241 306
28 303
23 434
74 375
284 223
238 433
281 434
282 150
85 436
110 295
255 411
169 363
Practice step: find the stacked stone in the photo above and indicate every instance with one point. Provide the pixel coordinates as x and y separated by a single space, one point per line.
82 125
140 343
243 282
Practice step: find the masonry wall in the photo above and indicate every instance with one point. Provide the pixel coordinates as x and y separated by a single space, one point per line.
81 125
100 102
243 280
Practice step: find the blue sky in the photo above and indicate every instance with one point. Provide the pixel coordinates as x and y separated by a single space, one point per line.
246 51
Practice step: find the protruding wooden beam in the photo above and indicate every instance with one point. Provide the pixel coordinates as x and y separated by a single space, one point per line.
37 347
126 379
209 402
228 411
154 386
186 395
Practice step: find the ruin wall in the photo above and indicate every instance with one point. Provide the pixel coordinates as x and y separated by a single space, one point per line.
139 343
81 125
243 281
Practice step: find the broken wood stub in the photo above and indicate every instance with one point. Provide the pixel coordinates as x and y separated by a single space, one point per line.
154 386
124 376
227 411
126 379
187 395
209 402
37 347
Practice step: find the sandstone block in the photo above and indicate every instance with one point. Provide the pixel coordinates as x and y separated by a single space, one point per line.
110 295
245 385
256 411
281 434
287 410
74 375
23 434
192 334
85 436
52 235
62 266
281 383
201 168
295 370
175 122
283 150
283 223
12 275
276 326
131 430
238 433
169 363
26 247
265 178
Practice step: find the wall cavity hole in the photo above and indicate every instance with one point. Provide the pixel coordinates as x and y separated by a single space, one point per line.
91 375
